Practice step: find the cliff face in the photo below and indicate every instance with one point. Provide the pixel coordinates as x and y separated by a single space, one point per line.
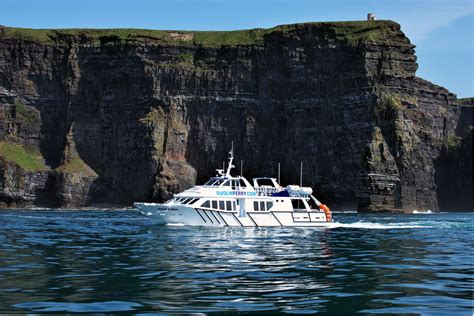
106 117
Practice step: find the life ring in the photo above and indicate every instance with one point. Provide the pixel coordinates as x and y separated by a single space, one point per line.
327 211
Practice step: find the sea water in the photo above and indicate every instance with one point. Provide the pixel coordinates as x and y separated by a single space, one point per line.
118 261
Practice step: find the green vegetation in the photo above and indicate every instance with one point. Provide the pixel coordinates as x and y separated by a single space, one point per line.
26 115
154 116
87 36
185 60
28 159
231 38
351 32
76 165
451 141
358 31
393 103
390 105
466 101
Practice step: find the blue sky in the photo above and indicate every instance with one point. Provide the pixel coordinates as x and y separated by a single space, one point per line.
442 30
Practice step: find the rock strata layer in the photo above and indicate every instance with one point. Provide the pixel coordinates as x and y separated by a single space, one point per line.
117 116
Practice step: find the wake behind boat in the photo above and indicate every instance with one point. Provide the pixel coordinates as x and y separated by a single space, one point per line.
226 200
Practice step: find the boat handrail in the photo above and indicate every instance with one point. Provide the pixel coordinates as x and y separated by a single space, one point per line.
267 191
300 195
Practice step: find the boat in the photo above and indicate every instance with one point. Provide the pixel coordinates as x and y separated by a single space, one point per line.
422 212
227 200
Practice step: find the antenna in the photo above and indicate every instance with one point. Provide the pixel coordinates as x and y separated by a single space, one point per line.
278 173
301 174
241 167
231 158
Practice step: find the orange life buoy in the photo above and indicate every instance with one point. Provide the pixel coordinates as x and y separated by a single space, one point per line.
327 211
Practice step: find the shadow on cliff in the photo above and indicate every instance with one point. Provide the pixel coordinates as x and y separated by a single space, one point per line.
104 102
47 196
454 166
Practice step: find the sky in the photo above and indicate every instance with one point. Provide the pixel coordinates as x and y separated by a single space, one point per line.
442 30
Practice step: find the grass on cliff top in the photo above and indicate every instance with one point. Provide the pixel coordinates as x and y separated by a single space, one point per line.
27 159
466 101
352 32
76 165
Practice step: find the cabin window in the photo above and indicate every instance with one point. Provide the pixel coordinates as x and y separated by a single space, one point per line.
269 205
226 184
210 182
312 204
185 201
297 204
242 183
234 205
262 206
228 205
214 204
206 204
265 182
214 182
192 201
222 205
255 206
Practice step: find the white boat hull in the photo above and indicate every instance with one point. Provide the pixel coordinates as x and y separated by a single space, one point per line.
186 215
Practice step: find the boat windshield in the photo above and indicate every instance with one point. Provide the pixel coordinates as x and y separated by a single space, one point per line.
312 204
215 182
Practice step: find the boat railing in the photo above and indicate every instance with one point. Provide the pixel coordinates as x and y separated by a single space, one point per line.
267 191
300 210
299 195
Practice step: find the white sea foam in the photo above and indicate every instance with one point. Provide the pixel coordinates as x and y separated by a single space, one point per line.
175 224
367 225
23 216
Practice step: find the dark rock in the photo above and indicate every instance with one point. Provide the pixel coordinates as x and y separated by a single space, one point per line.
143 116
18 187
379 182
74 177
453 173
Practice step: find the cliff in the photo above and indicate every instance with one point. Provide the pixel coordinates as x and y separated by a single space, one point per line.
117 116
